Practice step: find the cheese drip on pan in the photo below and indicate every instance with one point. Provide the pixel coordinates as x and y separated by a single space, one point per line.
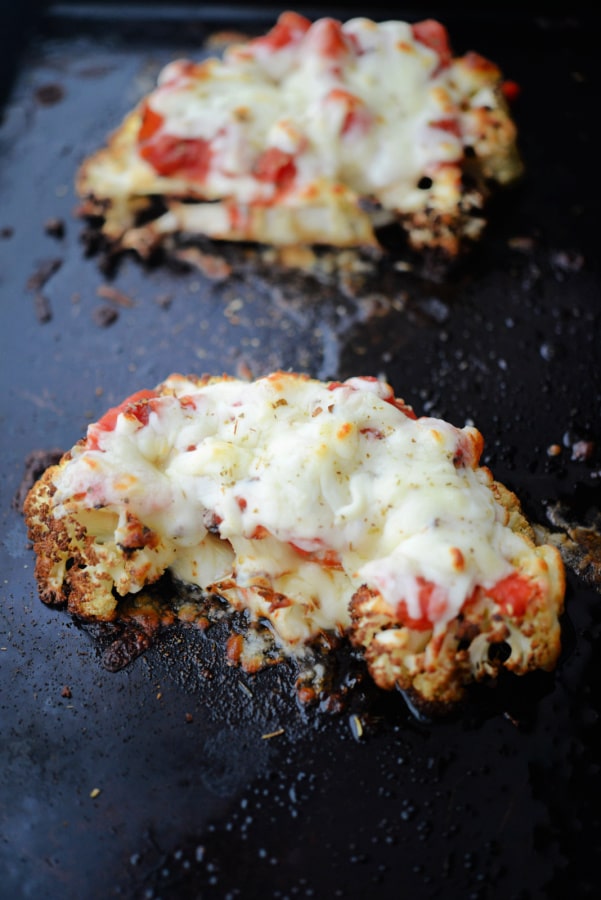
319 507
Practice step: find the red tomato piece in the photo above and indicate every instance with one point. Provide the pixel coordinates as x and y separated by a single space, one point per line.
169 155
394 401
429 607
357 116
434 35
449 125
514 594
468 450
327 558
137 406
276 167
511 90
151 122
402 406
290 27
328 40
294 22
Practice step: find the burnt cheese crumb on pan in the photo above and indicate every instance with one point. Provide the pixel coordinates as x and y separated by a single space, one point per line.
316 133
326 510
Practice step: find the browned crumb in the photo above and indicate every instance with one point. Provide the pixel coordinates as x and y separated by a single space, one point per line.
582 450
579 543
49 94
42 307
564 261
522 243
107 292
43 273
55 228
105 315
212 265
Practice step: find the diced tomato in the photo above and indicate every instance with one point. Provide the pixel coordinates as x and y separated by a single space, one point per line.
357 116
151 122
373 433
468 450
169 155
289 28
449 125
431 606
402 406
328 40
511 90
294 22
394 401
325 557
274 166
434 35
357 120
137 407
514 594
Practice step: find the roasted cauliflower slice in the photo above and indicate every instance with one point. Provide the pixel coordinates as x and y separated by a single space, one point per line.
314 133
325 509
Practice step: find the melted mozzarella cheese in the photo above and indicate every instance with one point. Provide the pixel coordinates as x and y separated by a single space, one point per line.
299 98
288 487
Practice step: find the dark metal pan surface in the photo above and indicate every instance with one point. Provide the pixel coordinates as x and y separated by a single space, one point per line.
180 777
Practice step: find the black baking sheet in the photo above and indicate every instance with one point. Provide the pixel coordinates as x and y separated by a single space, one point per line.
180 777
